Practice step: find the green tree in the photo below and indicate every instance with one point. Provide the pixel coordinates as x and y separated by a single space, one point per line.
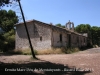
1 42
7 2
7 21
9 40
95 31
85 28
59 25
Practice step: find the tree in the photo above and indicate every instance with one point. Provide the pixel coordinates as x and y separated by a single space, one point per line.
95 31
7 21
1 42
6 2
59 25
9 40
85 28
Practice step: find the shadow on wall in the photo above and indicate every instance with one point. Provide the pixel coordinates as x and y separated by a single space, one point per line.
30 69
21 32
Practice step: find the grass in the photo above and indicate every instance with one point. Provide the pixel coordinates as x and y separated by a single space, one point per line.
95 46
59 51
20 51
47 51
70 50
50 51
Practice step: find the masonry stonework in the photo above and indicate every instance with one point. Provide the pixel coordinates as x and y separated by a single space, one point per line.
46 36
40 36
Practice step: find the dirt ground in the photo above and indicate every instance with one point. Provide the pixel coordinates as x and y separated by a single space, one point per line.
81 63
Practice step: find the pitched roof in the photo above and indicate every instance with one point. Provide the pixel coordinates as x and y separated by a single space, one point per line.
50 25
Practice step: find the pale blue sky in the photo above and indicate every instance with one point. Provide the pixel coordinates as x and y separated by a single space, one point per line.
61 11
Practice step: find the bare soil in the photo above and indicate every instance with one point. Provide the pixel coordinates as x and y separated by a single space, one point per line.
81 63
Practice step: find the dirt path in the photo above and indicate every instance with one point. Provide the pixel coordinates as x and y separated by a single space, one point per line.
88 61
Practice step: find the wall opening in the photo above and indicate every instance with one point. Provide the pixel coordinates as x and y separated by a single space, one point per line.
41 38
69 40
77 39
60 37
84 40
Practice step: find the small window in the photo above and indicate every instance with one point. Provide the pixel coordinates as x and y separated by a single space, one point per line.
41 38
84 40
60 37
77 39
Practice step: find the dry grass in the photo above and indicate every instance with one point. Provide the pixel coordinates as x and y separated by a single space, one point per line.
50 51
57 51
47 51
21 51
95 46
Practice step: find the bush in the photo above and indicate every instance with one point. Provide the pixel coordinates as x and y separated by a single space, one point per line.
1 45
1 42
50 51
22 51
9 41
70 50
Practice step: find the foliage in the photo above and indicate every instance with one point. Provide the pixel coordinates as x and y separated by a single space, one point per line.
9 40
93 33
59 25
7 20
83 28
1 42
20 51
7 37
47 51
3 2
6 2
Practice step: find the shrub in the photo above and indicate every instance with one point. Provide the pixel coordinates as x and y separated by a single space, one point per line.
22 51
47 51
70 50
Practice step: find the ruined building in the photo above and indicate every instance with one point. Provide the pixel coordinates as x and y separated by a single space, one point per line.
46 36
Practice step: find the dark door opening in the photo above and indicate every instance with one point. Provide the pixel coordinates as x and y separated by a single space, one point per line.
69 40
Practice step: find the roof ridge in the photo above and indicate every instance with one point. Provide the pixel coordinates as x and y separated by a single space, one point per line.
50 25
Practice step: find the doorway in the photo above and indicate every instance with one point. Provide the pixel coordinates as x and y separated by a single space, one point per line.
69 40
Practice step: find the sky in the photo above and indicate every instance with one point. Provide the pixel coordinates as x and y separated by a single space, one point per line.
61 11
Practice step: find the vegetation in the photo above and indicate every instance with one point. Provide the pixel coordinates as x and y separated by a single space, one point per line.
9 18
10 2
6 2
47 51
59 25
7 37
93 33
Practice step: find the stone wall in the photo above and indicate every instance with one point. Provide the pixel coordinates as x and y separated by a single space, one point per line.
82 41
21 36
74 40
57 36
40 36
78 40
46 36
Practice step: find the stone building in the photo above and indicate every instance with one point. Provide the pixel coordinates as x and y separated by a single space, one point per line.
46 36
